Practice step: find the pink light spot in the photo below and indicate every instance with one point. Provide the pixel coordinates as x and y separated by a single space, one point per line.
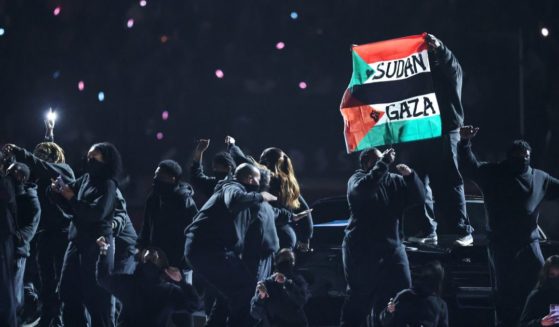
219 73
302 85
165 115
81 85
280 45
130 23
57 11
159 136
143 3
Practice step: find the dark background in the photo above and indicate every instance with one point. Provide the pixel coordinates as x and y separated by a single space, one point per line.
167 61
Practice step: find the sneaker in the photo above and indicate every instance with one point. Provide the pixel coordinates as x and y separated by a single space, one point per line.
422 238
466 240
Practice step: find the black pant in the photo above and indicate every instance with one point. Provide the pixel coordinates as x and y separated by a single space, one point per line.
79 290
7 296
373 277
515 271
436 163
225 272
51 247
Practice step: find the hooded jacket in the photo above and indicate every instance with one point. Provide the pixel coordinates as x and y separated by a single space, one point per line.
223 221
28 217
512 200
53 218
124 233
166 217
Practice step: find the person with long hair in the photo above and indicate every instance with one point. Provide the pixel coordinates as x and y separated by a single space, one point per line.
91 199
293 216
542 305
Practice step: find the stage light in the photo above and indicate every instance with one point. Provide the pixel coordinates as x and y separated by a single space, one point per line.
101 96
294 15
219 73
159 136
81 85
2 31
545 32
143 3
280 45
51 115
57 11
302 85
164 38
130 23
165 115
56 74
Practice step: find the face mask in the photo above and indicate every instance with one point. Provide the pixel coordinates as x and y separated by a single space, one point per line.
554 282
219 175
95 168
161 187
251 188
518 165
285 267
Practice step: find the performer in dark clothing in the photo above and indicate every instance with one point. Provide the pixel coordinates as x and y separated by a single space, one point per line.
421 305
375 263
294 229
92 200
125 238
47 162
169 209
8 211
513 192
435 160
223 167
28 215
280 299
152 293
215 240
542 305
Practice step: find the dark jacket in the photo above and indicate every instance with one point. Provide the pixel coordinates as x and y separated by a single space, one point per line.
8 211
414 309
124 233
53 218
8 208
447 81
222 223
377 200
537 306
512 200
92 207
203 183
304 227
28 216
285 305
147 300
166 217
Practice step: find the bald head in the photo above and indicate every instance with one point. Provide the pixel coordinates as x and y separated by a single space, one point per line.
247 174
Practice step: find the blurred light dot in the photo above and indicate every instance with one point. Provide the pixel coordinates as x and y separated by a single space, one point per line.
165 115
545 32
280 45
101 96
164 38
57 11
294 15
219 73
2 31
56 74
130 23
143 3
81 85
302 85
159 136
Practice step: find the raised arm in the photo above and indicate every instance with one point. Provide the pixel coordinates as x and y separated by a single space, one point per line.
236 199
466 157
414 190
371 180
39 167
448 64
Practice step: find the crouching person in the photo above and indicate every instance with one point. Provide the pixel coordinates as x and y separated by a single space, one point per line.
152 293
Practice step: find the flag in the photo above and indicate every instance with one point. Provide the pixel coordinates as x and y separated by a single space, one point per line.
390 98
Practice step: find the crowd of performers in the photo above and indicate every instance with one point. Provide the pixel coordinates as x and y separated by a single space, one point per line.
234 256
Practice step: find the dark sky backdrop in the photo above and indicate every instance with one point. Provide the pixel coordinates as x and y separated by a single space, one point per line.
258 101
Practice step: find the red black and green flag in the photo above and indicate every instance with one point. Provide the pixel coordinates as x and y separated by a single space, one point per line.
390 98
